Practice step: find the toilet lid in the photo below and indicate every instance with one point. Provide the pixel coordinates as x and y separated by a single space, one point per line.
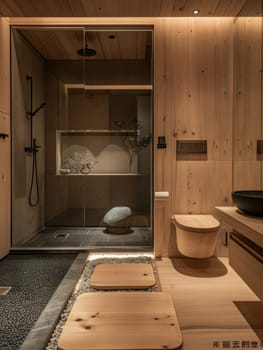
196 223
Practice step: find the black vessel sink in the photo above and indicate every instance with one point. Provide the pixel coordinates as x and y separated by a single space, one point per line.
250 202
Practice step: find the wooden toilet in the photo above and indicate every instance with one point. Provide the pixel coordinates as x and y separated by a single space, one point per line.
196 235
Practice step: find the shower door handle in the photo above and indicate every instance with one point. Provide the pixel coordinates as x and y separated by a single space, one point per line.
3 136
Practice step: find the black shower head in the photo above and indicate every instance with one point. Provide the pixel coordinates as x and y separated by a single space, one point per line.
86 52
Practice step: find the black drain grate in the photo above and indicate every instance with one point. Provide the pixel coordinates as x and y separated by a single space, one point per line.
4 290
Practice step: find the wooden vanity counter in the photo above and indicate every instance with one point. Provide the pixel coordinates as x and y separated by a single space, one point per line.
245 246
249 226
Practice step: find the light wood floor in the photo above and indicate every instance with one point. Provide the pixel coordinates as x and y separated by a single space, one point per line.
212 304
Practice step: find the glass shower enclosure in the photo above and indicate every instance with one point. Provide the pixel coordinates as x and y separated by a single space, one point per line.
95 175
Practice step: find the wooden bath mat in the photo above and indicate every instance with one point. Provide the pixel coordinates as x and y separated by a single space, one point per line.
122 276
121 321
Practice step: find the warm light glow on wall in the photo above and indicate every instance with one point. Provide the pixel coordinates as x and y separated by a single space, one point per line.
95 256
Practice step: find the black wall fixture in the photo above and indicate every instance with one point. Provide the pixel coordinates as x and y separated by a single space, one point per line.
259 146
191 146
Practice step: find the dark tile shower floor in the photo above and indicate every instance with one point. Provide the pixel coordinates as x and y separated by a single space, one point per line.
33 279
54 237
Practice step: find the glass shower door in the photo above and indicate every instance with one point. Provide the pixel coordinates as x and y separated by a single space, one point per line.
65 188
118 129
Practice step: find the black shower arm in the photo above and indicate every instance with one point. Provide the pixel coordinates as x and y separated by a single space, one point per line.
33 148
38 109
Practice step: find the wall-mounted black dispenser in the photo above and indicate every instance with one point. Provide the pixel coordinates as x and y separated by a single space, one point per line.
161 142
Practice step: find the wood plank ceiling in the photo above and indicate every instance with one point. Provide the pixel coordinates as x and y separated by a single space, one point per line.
57 44
62 44
129 8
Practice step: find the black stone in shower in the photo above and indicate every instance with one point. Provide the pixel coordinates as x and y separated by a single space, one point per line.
33 278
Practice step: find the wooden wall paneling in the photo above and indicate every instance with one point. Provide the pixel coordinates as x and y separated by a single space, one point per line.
162 127
162 157
184 91
200 186
5 229
247 93
4 67
247 175
208 109
247 102
179 59
160 214
162 105
164 233
219 118
193 88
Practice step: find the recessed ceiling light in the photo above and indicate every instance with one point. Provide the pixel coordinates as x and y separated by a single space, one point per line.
196 11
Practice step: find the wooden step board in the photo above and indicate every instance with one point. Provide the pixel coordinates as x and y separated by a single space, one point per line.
122 276
121 321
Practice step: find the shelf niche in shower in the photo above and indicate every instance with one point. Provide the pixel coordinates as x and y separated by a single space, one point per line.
107 131
96 152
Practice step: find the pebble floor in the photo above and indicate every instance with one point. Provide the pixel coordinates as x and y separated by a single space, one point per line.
83 287
33 278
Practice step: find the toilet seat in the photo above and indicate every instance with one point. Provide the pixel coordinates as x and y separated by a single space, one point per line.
196 223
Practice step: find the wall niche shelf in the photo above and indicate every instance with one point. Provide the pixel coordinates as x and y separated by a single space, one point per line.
108 87
98 132
104 174
101 152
